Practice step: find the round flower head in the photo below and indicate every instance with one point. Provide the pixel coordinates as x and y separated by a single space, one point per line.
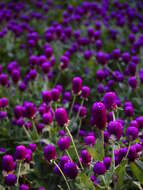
110 100
10 180
115 128
132 155
99 168
24 187
132 133
46 96
82 111
32 146
140 121
47 118
85 157
85 91
70 170
3 79
50 152
20 152
89 140
45 67
99 115
15 75
28 157
129 111
55 94
18 111
76 85
133 82
63 143
29 109
61 116
7 163
107 162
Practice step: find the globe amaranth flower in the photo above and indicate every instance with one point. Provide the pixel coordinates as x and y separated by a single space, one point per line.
89 140
110 100
32 146
20 152
82 111
24 187
70 170
8 163
115 128
99 168
29 109
132 133
55 94
99 115
132 81
76 85
64 143
85 92
10 180
29 156
107 162
61 116
139 120
132 155
50 152
85 158
47 118
18 111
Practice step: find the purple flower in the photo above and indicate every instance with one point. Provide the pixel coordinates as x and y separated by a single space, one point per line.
50 152
10 179
46 96
3 79
20 152
110 100
85 91
63 143
32 146
132 133
89 140
29 109
55 94
132 155
61 116
24 187
132 81
47 118
140 121
18 111
76 85
99 115
115 128
107 162
7 163
70 170
85 157
99 168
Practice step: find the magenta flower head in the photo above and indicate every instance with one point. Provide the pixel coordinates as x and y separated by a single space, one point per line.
110 100
7 163
85 157
132 81
82 111
85 92
76 85
61 116
99 168
20 152
45 67
50 152
4 102
55 94
89 140
140 121
99 115
46 96
15 75
132 133
64 143
24 187
115 128
47 118
32 146
29 109
29 156
10 180
132 155
18 111
70 170
107 162
3 79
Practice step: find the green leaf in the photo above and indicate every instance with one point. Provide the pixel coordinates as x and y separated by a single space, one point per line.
137 172
120 173
97 152
84 182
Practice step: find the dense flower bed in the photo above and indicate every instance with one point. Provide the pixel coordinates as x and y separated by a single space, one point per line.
71 79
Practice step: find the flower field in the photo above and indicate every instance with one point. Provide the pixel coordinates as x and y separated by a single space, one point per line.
71 95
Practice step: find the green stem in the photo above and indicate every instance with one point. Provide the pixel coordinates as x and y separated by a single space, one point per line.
19 170
27 133
113 157
74 98
69 155
35 129
82 102
80 122
68 187
58 76
114 118
74 146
